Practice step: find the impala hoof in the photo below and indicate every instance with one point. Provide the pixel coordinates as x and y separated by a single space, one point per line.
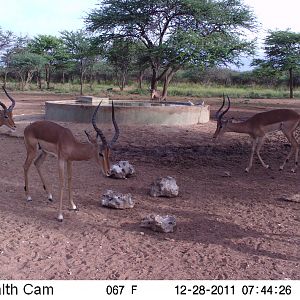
74 209
60 218
247 170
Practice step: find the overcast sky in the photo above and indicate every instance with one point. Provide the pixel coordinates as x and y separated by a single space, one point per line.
33 17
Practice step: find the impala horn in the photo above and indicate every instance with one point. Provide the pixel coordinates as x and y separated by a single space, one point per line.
100 133
220 115
13 102
4 107
117 131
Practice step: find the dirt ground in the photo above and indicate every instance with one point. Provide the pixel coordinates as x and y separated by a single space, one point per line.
228 227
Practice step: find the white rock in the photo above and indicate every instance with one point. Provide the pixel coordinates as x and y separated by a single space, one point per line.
164 187
117 200
159 223
122 169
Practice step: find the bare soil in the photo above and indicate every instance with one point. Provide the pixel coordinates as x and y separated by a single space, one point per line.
230 225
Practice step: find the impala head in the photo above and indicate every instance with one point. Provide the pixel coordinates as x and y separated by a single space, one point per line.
221 123
6 115
102 147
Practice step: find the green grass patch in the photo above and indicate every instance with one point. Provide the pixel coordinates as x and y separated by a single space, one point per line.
175 89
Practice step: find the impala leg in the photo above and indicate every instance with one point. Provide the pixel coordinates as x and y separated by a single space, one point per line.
61 166
254 143
294 148
296 158
31 153
258 147
69 170
38 162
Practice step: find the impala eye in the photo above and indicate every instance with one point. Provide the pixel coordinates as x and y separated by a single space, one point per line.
100 154
6 117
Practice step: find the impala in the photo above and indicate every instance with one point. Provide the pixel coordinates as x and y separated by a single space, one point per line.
6 115
258 126
155 95
49 137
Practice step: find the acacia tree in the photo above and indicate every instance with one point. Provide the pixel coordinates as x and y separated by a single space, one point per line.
6 39
80 49
17 44
25 64
121 55
51 48
282 51
175 33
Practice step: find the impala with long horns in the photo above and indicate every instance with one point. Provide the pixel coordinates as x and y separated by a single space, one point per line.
6 115
258 126
52 138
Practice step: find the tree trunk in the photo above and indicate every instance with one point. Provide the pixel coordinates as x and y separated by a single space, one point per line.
168 78
22 81
154 78
63 77
81 77
47 75
291 81
140 79
28 78
5 79
39 80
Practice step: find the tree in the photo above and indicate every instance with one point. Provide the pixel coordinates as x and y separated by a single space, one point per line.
121 56
175 33
26 64
51 48
6 38
282 51
17 44
80 48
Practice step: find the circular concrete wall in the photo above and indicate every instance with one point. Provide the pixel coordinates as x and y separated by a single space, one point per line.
129 112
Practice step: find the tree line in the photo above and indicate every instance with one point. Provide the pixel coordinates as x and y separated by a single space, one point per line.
154 42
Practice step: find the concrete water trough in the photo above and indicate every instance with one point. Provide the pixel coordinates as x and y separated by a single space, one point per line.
127 112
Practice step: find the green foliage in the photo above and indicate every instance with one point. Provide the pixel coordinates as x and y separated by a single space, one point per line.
282 51
6 38
27 61
49 46
176 32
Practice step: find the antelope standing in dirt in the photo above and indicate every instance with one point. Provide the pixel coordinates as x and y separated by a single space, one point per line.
155 95
52 138
6 115
258 126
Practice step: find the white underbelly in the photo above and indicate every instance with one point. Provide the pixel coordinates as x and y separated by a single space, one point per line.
273 127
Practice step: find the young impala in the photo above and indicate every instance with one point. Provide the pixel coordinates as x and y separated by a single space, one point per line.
6 115
49 137
258 126
155 95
